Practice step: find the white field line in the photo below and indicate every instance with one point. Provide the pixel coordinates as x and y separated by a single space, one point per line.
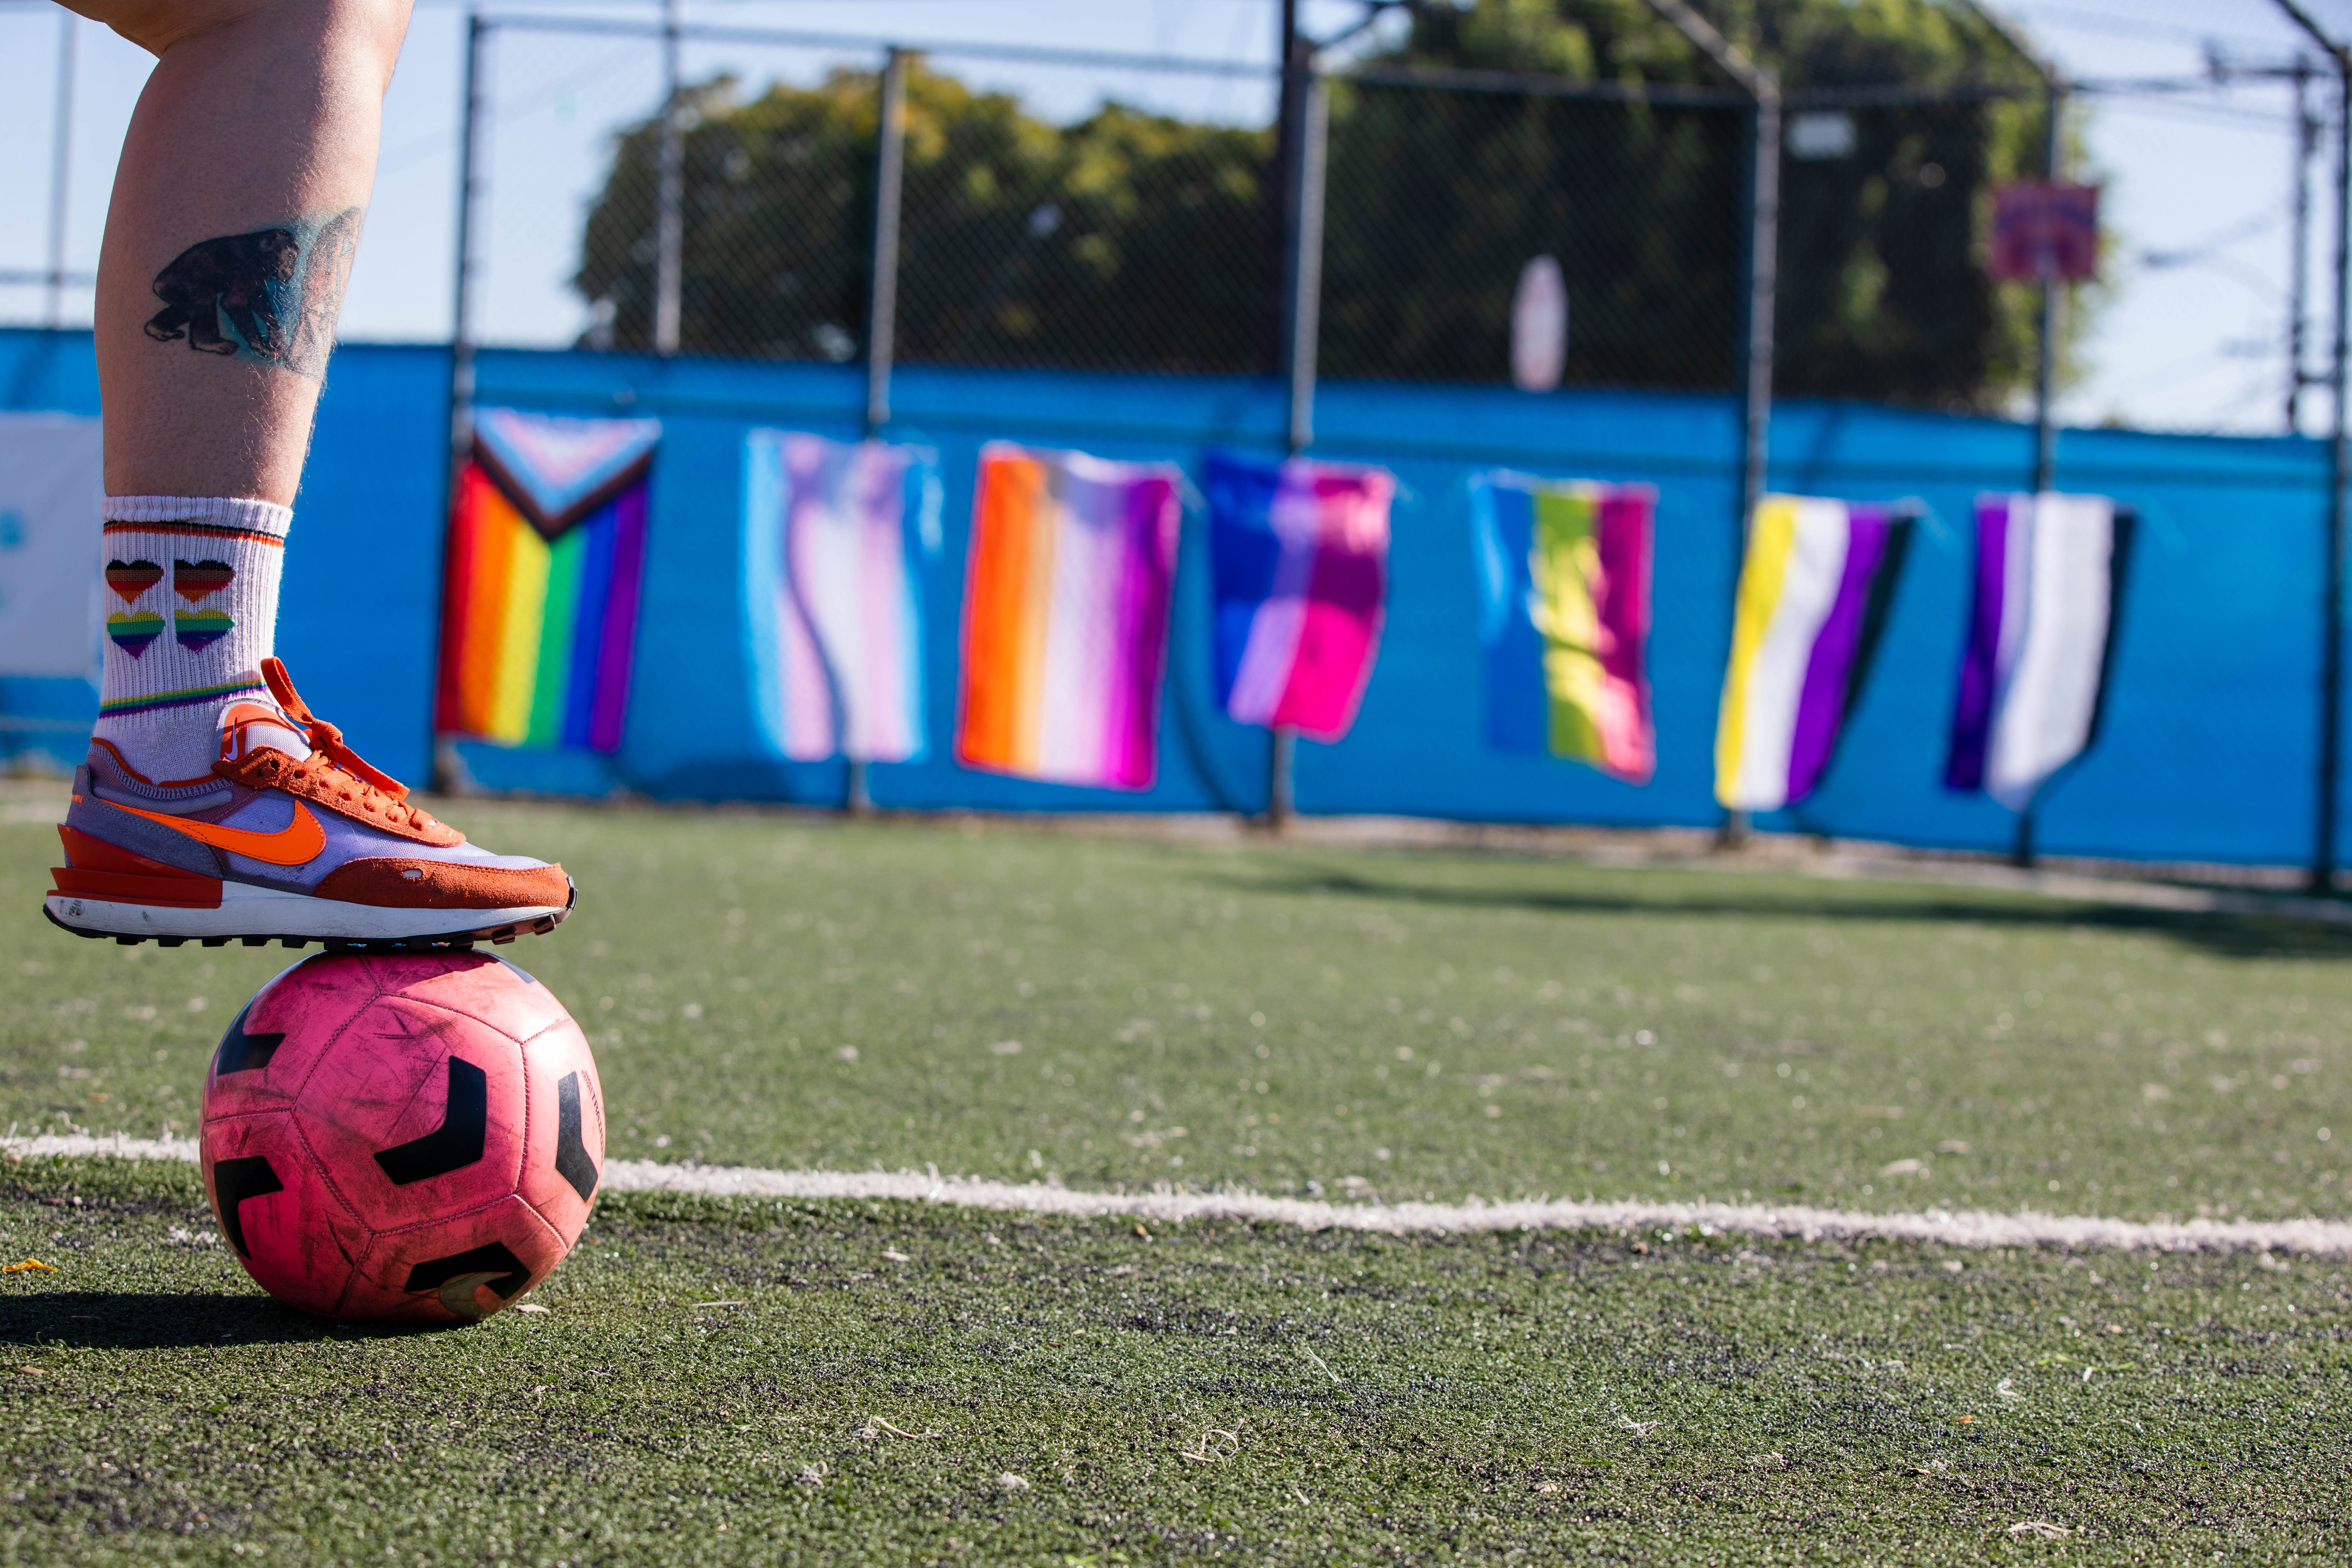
2325 1238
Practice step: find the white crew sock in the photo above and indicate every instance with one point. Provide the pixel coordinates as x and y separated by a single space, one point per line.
192 605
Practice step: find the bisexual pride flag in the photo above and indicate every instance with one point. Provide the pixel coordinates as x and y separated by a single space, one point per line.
834 532
1814 592
1564 602
1066 616
2050 569
1300 553
540 588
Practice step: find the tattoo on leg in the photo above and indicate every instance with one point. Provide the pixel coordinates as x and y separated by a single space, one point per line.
271 295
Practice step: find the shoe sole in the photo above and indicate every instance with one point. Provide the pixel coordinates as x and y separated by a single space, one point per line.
259 916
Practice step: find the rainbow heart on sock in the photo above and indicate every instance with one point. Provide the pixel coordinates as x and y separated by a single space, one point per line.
193 580
133 633
132 578
195 629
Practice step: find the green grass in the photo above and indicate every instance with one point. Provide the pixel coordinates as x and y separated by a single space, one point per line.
793 994
775 993
1545 1396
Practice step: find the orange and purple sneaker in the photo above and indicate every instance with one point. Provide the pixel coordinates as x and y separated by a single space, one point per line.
292 839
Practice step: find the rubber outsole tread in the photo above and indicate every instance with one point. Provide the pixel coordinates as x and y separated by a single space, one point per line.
444 941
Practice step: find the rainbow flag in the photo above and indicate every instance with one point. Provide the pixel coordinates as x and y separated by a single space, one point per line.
546 555
1066 616
1300 555
1564 580
1813 593
2050 572
837 630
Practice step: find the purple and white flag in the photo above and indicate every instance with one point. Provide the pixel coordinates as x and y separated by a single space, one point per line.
2048 570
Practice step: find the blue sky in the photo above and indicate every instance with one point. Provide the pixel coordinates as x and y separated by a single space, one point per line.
2189 337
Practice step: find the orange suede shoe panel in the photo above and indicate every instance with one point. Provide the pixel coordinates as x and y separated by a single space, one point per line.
316 779
437 885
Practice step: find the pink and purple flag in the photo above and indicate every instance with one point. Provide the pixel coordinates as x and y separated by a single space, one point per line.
834 532
1299 551
1066 588
1564 581
2048 577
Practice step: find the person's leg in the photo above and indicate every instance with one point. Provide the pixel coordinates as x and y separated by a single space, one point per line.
214 803
236 208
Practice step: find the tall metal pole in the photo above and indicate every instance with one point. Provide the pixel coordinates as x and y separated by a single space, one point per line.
2331 647
890 186
881 331
2045 430
1756 336
669 194
2306 143
62 166
1302 315
461 322
2323 865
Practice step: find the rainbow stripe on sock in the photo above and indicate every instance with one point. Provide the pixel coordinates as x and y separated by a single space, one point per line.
123 707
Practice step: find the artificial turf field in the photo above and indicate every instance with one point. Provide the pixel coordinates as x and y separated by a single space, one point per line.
789 995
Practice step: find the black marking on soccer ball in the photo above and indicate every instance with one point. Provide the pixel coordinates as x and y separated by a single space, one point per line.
509 1273
241 1052
573 1162
456 1143
234 1180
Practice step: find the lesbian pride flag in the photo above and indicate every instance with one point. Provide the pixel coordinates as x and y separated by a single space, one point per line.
1300 551
2050 571
833 533
539 603
1812 595
1066 616
1564 591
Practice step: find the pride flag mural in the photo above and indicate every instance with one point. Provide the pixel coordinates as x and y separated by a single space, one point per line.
538 608
2050 571
1300 552
1564 591
1066 616
835 534
1814 592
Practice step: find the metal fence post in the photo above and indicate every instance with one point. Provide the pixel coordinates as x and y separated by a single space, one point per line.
2045 431
61 167
1302 314
461 325
889 187
669 194
2331 616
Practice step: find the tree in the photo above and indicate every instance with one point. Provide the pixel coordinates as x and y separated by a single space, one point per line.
1134 241
1125 241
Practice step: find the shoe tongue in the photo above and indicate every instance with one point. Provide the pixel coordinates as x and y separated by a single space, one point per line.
246 727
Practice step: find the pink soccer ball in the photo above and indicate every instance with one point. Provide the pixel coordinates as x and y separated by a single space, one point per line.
414 1137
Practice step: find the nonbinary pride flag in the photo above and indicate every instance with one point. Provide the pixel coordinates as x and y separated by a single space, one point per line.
1066 616
539 610
1300 551
1812 594
2048 570
833 529
1564 580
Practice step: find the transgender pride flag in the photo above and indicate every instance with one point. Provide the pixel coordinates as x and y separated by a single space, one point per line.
1812 594
2049 571
1300 552
1066 616
833 532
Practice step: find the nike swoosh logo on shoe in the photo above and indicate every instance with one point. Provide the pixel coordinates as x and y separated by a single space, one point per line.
298 842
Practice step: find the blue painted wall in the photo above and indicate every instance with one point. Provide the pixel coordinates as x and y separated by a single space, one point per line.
2208 751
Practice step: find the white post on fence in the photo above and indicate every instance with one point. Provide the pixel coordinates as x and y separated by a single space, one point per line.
669 194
